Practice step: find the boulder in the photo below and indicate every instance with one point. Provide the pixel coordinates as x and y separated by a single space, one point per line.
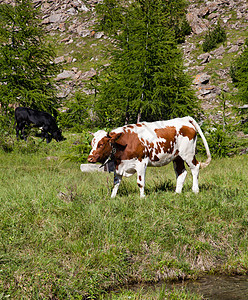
91 168
65 75
202 78
198 25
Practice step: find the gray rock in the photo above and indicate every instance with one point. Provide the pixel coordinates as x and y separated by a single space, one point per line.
205 58
55 18
234 48
202 78
91 168
65 75
197 24
59 60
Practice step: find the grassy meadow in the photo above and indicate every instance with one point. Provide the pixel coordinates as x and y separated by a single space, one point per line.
62 237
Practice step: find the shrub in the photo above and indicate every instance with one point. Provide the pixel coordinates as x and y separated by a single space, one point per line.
222 143
218 142
214 37
80 149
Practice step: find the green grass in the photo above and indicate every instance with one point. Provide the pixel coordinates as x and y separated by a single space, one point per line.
63 237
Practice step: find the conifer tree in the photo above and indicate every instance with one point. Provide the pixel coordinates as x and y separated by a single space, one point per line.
146 79
239 74
25 59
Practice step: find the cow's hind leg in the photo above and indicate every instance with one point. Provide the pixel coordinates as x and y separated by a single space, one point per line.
17 132
22 128
194 167
117 181
181 173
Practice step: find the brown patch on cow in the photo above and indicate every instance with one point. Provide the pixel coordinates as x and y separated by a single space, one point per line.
195 161
139 125
188 132
140 178
169 134
139 185
155 158
130 126
179 165
158 149
102 151
134 148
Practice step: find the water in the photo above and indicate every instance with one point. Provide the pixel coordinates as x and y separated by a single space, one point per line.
211 287
221 287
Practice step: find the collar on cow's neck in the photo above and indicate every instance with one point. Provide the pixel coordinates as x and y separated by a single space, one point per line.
111 157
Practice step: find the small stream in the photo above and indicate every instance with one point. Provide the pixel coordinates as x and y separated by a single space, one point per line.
211 287
214 287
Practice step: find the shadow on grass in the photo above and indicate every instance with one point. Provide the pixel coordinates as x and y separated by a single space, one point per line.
129 188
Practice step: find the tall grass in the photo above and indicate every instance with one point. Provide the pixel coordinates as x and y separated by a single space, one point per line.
63 237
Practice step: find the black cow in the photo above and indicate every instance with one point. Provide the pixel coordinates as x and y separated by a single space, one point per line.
25 116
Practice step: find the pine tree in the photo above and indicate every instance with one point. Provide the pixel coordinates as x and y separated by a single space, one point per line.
25 60
239 74
146 79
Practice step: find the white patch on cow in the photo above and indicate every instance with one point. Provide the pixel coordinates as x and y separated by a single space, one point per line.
127 167
97 137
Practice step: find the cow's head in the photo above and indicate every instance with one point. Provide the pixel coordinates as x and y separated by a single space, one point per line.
102 145
57 135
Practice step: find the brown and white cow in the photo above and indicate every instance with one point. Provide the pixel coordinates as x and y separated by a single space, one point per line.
134 147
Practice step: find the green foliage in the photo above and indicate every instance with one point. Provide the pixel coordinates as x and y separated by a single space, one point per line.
114 15
222 143
25 60
76 117
239 74
214 36
218 142
145 80
79 150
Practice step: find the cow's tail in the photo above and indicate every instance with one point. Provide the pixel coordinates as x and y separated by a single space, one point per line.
198 129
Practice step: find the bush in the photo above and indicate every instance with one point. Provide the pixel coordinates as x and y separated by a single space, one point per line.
218 142
80 149
213 38
221 143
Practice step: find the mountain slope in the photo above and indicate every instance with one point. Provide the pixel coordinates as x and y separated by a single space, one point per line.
70 25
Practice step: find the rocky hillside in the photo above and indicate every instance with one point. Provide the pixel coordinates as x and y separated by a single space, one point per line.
70 24
210 71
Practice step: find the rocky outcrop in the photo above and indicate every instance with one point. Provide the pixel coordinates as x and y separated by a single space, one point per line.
233 16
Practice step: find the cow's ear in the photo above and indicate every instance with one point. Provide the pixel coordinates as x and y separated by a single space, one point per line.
114 136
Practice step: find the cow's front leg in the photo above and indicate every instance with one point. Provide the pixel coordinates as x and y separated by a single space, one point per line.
17 132
46 134
141 173
117 181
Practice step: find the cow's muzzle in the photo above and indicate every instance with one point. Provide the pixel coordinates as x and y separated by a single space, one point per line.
92 159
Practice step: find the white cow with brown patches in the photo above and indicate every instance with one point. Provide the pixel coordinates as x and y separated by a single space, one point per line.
132 148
